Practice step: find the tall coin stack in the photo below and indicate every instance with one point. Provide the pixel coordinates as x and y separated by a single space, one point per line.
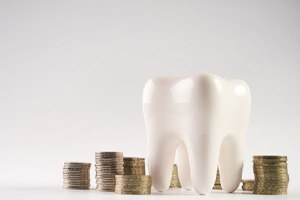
271 175
133 184
175 183
108 164
134 166
217 185
76 175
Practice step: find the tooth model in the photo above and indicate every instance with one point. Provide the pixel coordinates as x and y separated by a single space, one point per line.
203 120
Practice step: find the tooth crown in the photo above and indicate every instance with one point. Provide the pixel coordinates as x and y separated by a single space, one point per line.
204 118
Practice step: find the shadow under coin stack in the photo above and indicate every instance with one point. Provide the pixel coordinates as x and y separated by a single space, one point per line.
133 184
271 175
108 164
217 185
175 183
76 175
134 166
248 185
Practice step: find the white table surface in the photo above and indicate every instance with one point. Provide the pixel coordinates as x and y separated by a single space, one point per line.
58 193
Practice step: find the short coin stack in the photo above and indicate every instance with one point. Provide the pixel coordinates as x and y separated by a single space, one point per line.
108 164
133 184
76 175
248 185
175 183
217 185
271 175
134 166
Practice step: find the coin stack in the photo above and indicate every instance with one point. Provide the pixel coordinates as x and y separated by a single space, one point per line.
133 184
271 175
134 166
217 185
175 183
247 185
76 175
108 164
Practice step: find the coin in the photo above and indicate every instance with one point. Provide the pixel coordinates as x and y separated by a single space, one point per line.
269 157
76 175
108 164
248 184
217 185
175 182
133 184
134 166
271 175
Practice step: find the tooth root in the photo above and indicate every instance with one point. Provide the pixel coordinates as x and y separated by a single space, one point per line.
183 164
203 153
161 159
231 162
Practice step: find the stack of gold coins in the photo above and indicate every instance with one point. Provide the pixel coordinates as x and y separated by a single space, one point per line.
175 183
271 175
247 185
133 184
134 166
76 175
217 185
108 164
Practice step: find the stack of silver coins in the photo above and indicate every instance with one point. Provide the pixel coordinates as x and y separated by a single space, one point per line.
76 175
108 164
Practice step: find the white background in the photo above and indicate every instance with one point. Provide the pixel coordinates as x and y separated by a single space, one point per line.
72 74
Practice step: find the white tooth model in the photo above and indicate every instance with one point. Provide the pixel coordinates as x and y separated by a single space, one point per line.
203 119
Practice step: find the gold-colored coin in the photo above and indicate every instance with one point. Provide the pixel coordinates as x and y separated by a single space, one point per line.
271 175
175 182
217 185
248 185
269 157
133 184
134 166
